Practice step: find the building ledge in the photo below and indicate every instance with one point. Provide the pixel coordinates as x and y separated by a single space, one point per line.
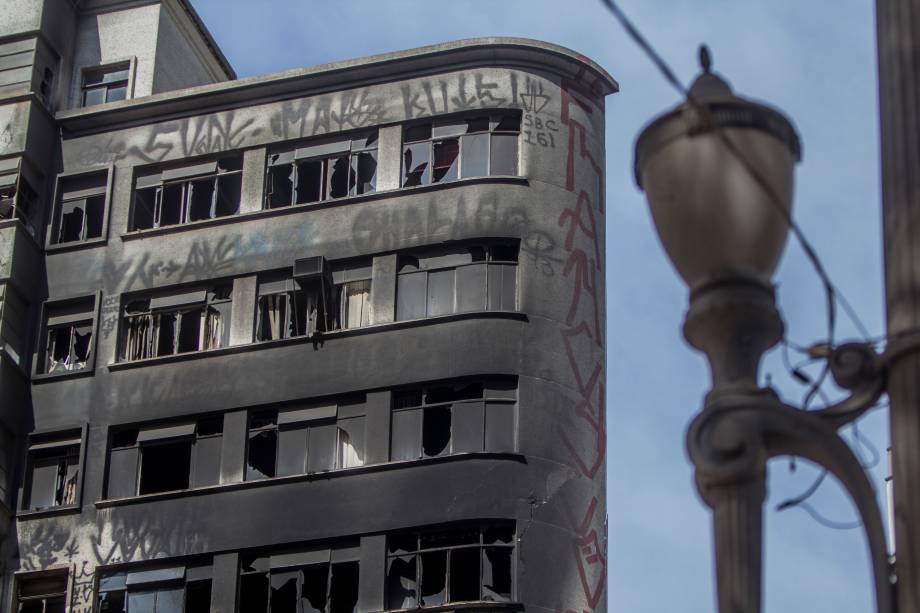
329 474
317 340
477 605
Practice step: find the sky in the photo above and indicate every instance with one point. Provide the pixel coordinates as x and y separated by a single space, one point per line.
816 61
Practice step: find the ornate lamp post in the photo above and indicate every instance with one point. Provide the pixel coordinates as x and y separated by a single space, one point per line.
718 174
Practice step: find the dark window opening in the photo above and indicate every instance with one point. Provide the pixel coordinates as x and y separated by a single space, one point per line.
18 200
80 209
266 586
177 323
164 458
450 149
68 347
42 594
53 476
437 567
456 280
467 416
179 195
105 84
323 171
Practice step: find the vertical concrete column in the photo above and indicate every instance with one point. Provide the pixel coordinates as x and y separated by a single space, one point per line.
121 201
253 180
233 447
223 582
389 158
383 289
373 573
243 311
378 427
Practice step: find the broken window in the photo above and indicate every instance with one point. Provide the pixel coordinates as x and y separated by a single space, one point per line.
447 150
168 324
18 200
195 192
436 567
321 581
457 279
306 438
53 471
164 458
105 84
323 170
466 416
80 208
68 336
42 592
176 589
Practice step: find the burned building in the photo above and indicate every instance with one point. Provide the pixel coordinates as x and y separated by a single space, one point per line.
330 339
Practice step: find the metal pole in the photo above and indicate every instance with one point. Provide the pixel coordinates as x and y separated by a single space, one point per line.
898 23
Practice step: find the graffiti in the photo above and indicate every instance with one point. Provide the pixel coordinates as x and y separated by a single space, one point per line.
342 111
6 136
538 131
383 228
174 139
534 100
583 334
47 546
459 93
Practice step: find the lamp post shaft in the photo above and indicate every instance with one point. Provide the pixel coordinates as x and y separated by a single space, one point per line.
898 23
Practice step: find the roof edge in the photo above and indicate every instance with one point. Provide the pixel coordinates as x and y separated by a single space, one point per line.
208 39
322 78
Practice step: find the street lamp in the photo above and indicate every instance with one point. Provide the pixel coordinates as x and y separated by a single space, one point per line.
718 175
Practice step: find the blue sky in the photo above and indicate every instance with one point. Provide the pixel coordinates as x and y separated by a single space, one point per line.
816 61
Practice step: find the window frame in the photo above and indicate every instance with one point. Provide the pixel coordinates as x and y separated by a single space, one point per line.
490 266
51 241
494 118
337 150
39 354
206 575
179 310
129 64
21 189
21 576
43 441
419 551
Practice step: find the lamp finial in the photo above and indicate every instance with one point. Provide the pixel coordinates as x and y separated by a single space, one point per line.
705 59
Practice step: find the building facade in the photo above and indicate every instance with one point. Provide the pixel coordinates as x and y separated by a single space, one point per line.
330 339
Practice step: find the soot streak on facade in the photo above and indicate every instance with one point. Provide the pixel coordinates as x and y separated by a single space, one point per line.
332 336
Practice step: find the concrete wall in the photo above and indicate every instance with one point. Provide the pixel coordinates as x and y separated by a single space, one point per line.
180 62
554 488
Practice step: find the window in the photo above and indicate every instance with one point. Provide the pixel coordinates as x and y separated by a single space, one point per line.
450 418
53 471
80 208
179 195
322 171
7 446
18 200
173 323
457 279
448 150
165 458
436 567
306 438
177 589
105 84
322 580
42 592
289 307
68 342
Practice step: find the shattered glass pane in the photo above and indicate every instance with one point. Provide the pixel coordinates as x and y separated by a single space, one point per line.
72 222
436 431
402 583
280 186
364 172
496 574
171 204
344 588
313 591
415 165
446 158
464 574
338 169
284 592
434 578
309 181
253 593
260 461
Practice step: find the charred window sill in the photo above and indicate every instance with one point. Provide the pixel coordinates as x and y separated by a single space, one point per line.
317 340
329 474
52 248
315 206
473 605
50 512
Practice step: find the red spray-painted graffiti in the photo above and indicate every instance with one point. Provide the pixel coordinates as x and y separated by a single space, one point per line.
584 322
